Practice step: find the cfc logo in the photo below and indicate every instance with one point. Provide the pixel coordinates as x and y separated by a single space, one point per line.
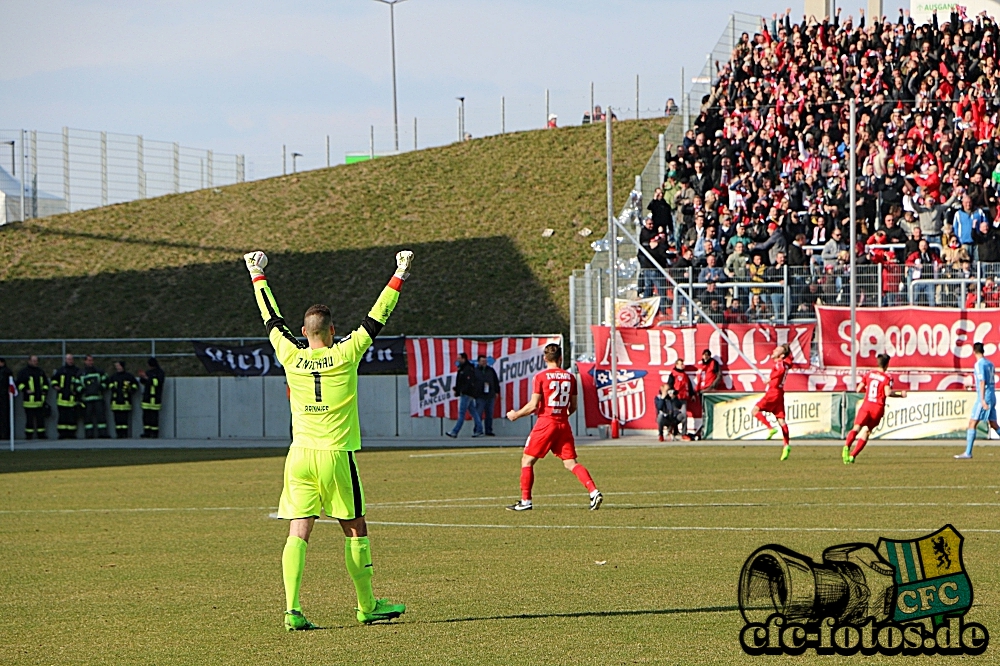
897 597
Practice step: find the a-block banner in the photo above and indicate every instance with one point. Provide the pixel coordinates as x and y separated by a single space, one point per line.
645 358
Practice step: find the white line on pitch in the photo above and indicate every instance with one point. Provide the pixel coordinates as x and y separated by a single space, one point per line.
666 528
509 449
141 509
700 491
686 505
654 528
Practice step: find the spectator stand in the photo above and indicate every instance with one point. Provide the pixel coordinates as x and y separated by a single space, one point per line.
771 137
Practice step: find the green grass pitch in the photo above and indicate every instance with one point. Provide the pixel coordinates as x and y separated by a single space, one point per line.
169 557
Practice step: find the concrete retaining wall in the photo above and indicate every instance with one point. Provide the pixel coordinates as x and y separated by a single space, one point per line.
257 407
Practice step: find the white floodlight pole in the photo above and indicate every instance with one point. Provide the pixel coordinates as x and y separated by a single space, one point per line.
612 268
392 30
853 166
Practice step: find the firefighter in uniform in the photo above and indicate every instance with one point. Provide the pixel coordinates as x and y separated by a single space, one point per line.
66 382
5 377
93 385
122 384
152 398
34 386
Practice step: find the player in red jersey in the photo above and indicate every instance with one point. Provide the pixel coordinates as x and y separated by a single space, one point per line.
876 386
773 401
553 399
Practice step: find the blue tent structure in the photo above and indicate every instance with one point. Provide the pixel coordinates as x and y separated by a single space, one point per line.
36 203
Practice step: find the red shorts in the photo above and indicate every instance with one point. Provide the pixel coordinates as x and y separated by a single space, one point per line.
551 435
869 415
773 403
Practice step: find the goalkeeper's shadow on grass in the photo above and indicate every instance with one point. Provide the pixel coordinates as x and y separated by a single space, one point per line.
586 614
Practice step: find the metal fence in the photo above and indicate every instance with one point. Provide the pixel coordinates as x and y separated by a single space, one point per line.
739 23
654 173
176 355
47 173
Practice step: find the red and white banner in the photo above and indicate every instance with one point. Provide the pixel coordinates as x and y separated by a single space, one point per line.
431 369
918 338
646 357
656 348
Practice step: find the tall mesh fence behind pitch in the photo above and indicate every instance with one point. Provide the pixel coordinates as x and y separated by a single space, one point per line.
53 173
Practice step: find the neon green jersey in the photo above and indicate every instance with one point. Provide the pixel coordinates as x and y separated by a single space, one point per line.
323 383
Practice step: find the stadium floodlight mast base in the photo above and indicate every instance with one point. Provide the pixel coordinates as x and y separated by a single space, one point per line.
392 30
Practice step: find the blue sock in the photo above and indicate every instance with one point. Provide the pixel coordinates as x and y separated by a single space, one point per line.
970 439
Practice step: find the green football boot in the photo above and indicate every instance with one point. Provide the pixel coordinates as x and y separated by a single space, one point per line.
771 433
849 461
384 610
296 621
845 454
785 450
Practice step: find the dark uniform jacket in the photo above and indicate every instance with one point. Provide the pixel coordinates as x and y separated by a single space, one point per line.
152 389
66 382
93 384
33 385
122 385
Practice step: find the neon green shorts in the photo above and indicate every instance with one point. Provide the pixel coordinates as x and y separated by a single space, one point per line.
317 479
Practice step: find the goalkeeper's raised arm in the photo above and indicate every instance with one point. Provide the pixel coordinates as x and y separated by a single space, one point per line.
318 330
356 344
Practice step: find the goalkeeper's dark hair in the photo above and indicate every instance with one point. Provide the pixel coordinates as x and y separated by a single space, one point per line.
553 353
883 360
317 319
978 348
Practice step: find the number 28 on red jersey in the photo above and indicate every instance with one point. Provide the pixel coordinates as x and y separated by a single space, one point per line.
556 387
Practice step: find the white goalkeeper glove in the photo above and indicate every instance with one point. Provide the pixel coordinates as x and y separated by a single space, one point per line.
403 261
256 263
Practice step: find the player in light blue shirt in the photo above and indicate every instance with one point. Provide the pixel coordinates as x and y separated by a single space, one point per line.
985 406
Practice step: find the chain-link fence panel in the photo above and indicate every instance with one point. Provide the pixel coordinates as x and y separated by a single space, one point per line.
47 173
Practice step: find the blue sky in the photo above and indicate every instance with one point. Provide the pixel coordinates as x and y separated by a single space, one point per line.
247 77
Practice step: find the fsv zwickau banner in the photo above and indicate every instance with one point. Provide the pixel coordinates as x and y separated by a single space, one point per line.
918 338
431 369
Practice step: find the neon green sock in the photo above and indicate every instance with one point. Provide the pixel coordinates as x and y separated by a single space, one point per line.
293 561
358 555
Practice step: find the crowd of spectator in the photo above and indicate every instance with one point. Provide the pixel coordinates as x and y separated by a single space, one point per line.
761 181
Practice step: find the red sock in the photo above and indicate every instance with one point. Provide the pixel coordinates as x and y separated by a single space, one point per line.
584 476
858 447
763 419
527 480
784 432
850 438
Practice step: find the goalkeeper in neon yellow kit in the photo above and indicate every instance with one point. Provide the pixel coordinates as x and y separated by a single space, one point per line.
320 470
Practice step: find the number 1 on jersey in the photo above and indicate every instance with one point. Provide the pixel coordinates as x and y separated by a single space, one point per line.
319 386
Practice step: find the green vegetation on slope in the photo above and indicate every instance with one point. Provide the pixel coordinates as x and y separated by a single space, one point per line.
473 213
